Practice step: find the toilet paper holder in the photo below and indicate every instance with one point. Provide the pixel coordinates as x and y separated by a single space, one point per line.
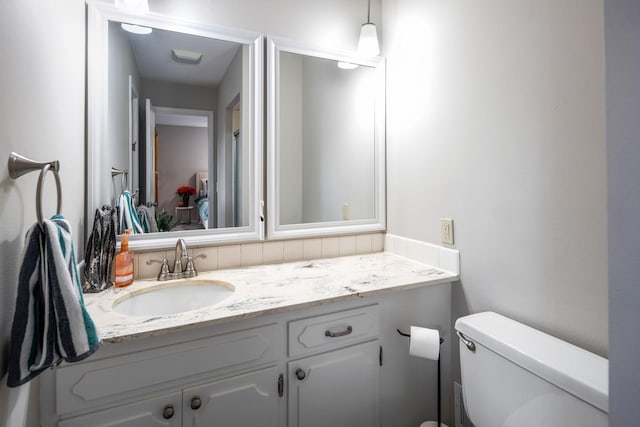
404 334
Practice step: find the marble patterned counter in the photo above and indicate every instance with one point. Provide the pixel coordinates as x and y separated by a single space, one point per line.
268 289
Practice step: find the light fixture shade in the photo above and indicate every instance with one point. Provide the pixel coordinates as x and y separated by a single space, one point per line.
136 29
347 65
368 44
133 6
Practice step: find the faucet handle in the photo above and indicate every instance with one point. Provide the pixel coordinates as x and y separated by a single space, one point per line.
164 269
190 270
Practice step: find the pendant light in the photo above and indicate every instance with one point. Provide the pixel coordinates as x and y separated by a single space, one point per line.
368 44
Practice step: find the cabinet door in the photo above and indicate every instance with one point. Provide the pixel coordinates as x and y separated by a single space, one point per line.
165 411
338 389
245 400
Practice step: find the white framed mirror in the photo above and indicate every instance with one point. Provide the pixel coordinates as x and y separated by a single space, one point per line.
181 106
325 141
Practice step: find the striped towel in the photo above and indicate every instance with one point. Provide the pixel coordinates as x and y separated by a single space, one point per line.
128 215
50 322
147 216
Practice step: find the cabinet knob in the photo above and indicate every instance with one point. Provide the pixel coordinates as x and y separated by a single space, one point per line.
196 402
168 412
300 374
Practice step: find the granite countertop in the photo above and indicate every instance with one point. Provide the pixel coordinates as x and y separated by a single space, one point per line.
267 289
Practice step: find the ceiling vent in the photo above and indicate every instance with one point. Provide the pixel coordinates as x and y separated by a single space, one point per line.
186 56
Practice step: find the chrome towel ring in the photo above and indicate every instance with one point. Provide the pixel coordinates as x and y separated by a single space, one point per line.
20 165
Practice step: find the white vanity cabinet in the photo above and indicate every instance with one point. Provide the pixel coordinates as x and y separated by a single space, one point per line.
207 381
339 386
317 366
243 400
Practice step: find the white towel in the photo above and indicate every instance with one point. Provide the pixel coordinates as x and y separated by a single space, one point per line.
128 215
50 322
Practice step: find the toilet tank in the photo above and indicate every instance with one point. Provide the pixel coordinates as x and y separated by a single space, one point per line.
518 376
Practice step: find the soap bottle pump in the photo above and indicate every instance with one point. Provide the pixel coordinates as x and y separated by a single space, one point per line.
124 263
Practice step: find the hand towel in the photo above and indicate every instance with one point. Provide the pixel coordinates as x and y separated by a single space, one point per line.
50 322
101 249
147 218
128 216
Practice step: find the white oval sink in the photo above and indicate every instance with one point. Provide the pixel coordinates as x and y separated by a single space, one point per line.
174 297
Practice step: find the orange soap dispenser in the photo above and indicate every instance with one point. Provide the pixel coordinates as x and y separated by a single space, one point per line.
124 263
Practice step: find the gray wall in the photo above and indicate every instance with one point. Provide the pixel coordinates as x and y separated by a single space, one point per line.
622 24
337 141
182 151
326 123
174 95
290 139
231 92
496 118
121 65
42 117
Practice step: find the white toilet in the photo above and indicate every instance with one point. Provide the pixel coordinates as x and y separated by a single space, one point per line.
517 376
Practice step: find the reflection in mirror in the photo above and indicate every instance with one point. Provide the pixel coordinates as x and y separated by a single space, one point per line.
181 109
326 146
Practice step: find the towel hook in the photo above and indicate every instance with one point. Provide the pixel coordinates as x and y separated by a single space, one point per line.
20 165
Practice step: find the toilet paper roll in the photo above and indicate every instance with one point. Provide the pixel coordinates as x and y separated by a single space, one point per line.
424 343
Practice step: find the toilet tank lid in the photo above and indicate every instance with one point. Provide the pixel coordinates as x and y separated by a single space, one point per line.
571 368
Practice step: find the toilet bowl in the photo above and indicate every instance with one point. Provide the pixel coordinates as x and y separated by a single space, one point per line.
516 376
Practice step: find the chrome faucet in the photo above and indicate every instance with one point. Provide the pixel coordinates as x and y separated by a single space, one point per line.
181 254
183 267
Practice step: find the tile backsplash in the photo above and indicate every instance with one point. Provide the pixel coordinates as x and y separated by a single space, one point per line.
438 256
273 252
268 252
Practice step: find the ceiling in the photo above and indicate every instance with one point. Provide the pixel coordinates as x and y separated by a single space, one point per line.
153 56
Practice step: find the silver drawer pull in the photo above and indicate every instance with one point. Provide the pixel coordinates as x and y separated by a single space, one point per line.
330 334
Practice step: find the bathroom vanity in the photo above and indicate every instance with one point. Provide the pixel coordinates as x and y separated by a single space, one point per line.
310 343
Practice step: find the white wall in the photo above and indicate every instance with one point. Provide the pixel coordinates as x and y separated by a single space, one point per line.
496 118
622 25
42 117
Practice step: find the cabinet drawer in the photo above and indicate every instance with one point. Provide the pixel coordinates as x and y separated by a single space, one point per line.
145 413
333 330
87 385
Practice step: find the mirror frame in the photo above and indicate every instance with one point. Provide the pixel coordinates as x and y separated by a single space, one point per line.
99 13
275 230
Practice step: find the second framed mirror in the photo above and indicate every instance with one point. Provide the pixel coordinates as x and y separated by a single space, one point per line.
325 146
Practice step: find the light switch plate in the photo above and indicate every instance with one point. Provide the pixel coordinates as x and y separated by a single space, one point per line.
446 230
